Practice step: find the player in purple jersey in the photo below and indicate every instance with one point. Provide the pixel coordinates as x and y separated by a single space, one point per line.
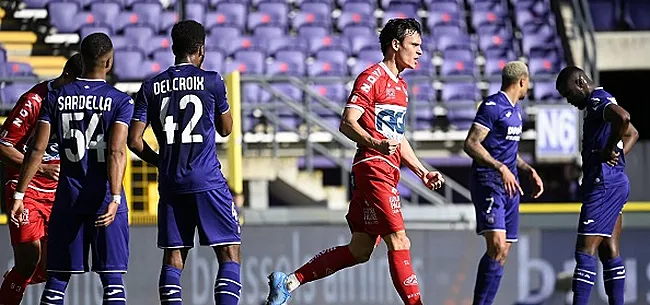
493 144
187 107
607 137
90 119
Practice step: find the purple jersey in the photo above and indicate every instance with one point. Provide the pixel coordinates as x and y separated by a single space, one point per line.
596 132
180 104
502 119
82 115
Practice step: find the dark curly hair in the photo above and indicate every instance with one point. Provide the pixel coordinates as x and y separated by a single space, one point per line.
187 37
398 28
94 47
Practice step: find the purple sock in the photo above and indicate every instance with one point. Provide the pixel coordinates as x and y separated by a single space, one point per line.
494 286
55 288
614 278
488 270
114 291
169 286
227 286
584 277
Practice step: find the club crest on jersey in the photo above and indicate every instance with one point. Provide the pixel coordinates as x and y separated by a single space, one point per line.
389 121
390 93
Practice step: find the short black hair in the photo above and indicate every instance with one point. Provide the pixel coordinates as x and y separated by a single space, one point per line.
398 28
569 72
74 65
94 47
187 37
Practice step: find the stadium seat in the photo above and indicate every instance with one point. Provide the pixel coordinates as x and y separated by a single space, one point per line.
359 30
262 18
636 11
539 66
389 14
450 6
449 29
494 66
66 17
286 43
454 42
129 65
294 57
251 93
482 18
437 18
105 12
231 45
499 41
238 11
311 31
361 7
332 55
139 34
422 111
285 68
167 21
279 9
268 32
290 91
353 18
461 115
18 69
460 92
458 67
214 61
423 68
371 55
12 92
530 42
319 8
95 28
36 3
149 13
493 88
327 68
124 19
410 8
305 19
422 91
608 13
195 11
156 43
544 91
253 59
360 43
224 32
327 43
498 7
360 66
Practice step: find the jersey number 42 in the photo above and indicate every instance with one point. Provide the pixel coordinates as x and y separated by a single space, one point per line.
169 126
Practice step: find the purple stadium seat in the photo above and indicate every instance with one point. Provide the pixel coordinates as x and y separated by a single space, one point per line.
451 67
165 58
279 9
105 12
526 16
286 43
155 43
268 32
530 42
149 12
388 15
236 65
481 18
493 88
89 29
287 89
250 93
408 7
328 42
371 55
449 29
538 29
458 55
195 11
293 56
254 60
124 19
360 66
327 68
359 43
167 20
461 115
12 92
225 32
36 3
305 19
219 19
352 18
237 10
498 7
123 42
231 45
443 6
361 7
213 61
3 56
140 35
262 18
493 66
636 11
65 16
486 42
442 18
287 68
460 92
423 91
538 66
423 112
129 65
545 91
456 42
18 69
332 55
319 8
311 31
359 30
604 14
423 68
334 92
494 28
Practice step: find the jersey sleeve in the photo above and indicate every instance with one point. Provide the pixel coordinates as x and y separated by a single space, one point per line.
221 96
47 109
141 105
362 94
597 104
487 115
21 119
124 111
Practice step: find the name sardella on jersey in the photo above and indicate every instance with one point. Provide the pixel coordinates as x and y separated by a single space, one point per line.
180 104
82 115
18 129
383 99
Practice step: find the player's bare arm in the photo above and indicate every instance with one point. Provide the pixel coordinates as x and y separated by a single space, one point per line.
532 174
619 119
350 128
432 180
12 157
139 146
223 124
28 169
478 153
116 167
629 138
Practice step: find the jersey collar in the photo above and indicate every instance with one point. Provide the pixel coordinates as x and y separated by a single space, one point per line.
598 88
508 98
389 72
91 79
49 85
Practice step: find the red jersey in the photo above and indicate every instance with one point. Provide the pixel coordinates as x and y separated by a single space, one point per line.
382 98
18 130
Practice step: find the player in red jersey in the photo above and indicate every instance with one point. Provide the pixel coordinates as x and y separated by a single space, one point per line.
374 119
29 241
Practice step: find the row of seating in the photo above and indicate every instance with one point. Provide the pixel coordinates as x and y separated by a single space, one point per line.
609 15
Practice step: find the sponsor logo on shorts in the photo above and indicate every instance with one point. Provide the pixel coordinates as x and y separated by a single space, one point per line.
588 221
411 280
25 218
370 216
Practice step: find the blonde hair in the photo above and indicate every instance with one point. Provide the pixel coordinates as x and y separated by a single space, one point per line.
513 72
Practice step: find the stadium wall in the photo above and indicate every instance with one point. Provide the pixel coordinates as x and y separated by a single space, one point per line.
445 261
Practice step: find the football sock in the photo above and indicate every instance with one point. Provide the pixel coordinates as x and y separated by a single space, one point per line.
404 279
227 286
114 291
614 278
324 264
584 277
169 286
488 277
55 288
13 288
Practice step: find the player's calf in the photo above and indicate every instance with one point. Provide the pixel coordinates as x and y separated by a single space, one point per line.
490 268
401 268
114 290
227 286
584 277
27 256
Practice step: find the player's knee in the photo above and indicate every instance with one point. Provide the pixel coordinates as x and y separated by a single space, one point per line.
498 250
397 241
174 258
27 257
230 253
607 251
361 254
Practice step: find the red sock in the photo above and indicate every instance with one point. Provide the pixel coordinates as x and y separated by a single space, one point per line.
404 279
13 288
325 263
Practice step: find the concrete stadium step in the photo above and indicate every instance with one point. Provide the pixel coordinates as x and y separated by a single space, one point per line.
19 37
44 66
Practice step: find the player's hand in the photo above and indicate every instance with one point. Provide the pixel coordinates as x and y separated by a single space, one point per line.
610 156
107 219
16 212
50 171
510 182
538 185
433 180
387 146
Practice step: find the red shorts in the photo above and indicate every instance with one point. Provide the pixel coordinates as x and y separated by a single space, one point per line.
375 207
38 206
